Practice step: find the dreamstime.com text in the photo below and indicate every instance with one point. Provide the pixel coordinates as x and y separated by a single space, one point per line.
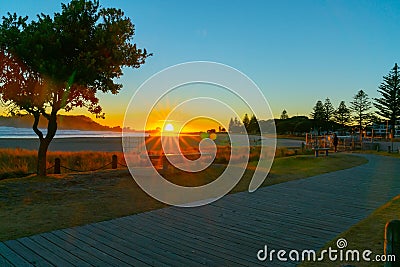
331 254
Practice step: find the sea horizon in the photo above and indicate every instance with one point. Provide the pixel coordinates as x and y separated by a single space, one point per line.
7 132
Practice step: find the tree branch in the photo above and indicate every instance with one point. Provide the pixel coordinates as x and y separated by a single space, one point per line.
35 128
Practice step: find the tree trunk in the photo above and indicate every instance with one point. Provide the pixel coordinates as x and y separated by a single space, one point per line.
42 157
44 141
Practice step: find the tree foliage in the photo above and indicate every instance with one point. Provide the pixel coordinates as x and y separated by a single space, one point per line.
329 110
246 121
253 127
318 113
235 126
388 105
61 62
342 114
293 125
284 115
361 106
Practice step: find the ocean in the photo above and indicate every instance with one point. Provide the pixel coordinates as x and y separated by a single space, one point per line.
12 132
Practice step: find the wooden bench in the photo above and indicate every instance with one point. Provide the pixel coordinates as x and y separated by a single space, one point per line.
323 149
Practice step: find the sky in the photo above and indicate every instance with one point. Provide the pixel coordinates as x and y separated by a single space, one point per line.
297 52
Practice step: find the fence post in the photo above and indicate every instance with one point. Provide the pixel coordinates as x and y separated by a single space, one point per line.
57 166
389 149
164 163
114 162
392 242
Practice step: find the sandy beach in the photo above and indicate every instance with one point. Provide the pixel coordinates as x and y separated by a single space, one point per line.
107 144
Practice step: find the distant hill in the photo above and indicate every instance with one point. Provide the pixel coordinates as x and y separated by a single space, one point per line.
65 122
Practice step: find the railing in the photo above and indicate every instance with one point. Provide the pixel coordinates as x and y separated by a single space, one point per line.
58 166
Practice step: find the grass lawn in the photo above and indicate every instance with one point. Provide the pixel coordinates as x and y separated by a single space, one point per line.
366 234
35 204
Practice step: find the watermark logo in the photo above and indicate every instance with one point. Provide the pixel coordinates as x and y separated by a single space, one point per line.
181 95
341 243
340 253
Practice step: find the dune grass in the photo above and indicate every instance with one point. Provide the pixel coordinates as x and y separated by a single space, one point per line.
33 205
22 162
366 234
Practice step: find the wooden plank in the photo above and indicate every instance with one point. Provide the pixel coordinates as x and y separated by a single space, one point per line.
276 213
200 227
79 252
96 251
129 247
236 235
4 262
59 251
272 229
208 242
161 250
26 253
176 247
12 257
272 233
106 245
44 253
242 253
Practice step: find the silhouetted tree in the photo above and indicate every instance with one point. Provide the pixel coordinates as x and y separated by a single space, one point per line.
235 126
342 114
231 125
361 106
61 62
329 110
253 127
318 114
246 122
284 115
388 104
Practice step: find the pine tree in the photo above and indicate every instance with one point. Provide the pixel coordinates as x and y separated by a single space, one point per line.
342 114
318 115
231 126
246 122
388 104
254 128
361 106
328 109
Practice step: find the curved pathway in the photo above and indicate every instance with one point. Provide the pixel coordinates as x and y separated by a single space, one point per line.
302 214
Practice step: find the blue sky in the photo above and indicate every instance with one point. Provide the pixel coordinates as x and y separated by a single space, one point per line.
297 52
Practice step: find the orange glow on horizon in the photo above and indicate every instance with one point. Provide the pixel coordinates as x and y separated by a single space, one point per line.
157 119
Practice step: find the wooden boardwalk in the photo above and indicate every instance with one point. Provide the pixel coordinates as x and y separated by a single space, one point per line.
302 214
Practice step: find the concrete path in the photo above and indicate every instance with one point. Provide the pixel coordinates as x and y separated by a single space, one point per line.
302 214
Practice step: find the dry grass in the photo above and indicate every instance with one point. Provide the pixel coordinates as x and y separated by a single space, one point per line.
21 162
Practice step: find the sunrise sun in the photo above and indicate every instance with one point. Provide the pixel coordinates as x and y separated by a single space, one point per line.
169 127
